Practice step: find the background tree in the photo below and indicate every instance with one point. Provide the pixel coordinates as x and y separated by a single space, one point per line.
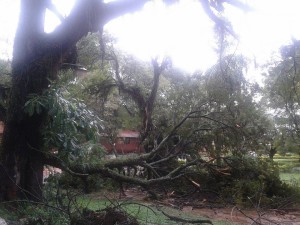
282 96
234 96
234 120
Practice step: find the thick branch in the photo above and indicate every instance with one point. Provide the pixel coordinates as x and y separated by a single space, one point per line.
105 170
133 92
88 16
105 167
54 10
216 19
157 71
182 220
119 8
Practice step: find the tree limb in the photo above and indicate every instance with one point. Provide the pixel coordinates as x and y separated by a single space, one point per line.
182 220
54 10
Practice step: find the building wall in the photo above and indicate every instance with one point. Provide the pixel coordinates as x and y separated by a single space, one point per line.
127 142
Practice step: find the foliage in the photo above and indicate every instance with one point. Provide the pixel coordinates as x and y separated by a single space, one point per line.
91 183
228 118
50 211
72 129
238 180
228 114
282 96
227 121
70 207
5 67
254 181
216 112
234 96
5 86
44 215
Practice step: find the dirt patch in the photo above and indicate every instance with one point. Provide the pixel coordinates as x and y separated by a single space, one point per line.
217 212
238 216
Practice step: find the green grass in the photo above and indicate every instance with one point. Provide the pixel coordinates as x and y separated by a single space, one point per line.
146 213
291 178
286 160
288 174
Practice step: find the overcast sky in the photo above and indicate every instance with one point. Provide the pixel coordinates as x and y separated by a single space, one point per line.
183 31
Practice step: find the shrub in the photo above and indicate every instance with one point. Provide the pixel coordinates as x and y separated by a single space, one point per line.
86 184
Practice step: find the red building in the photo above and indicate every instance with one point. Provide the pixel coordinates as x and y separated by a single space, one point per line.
1 130
127 141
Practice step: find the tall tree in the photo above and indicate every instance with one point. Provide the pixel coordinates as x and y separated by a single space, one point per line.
230 119
282 95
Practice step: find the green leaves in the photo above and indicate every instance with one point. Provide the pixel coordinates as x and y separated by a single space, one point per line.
70 123
282 96
73 122
35 104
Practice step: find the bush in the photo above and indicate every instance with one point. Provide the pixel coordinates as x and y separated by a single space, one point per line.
44 215
87 184
30 213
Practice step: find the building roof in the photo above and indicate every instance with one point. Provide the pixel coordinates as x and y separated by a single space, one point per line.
129 133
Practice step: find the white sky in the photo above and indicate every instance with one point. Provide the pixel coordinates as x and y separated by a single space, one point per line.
183 31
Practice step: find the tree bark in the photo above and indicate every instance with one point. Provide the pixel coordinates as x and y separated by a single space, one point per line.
22 136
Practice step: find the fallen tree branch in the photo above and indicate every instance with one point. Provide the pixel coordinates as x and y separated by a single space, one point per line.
182 220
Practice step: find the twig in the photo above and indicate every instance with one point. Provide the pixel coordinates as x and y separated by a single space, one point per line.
235 207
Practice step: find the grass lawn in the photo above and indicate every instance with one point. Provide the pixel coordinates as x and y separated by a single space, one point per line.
289 170
291 178
288 162
146 213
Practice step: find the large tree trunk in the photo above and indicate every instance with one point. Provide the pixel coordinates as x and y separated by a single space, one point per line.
37 57
22 136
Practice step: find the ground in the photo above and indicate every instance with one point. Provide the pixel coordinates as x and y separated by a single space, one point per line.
204 209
